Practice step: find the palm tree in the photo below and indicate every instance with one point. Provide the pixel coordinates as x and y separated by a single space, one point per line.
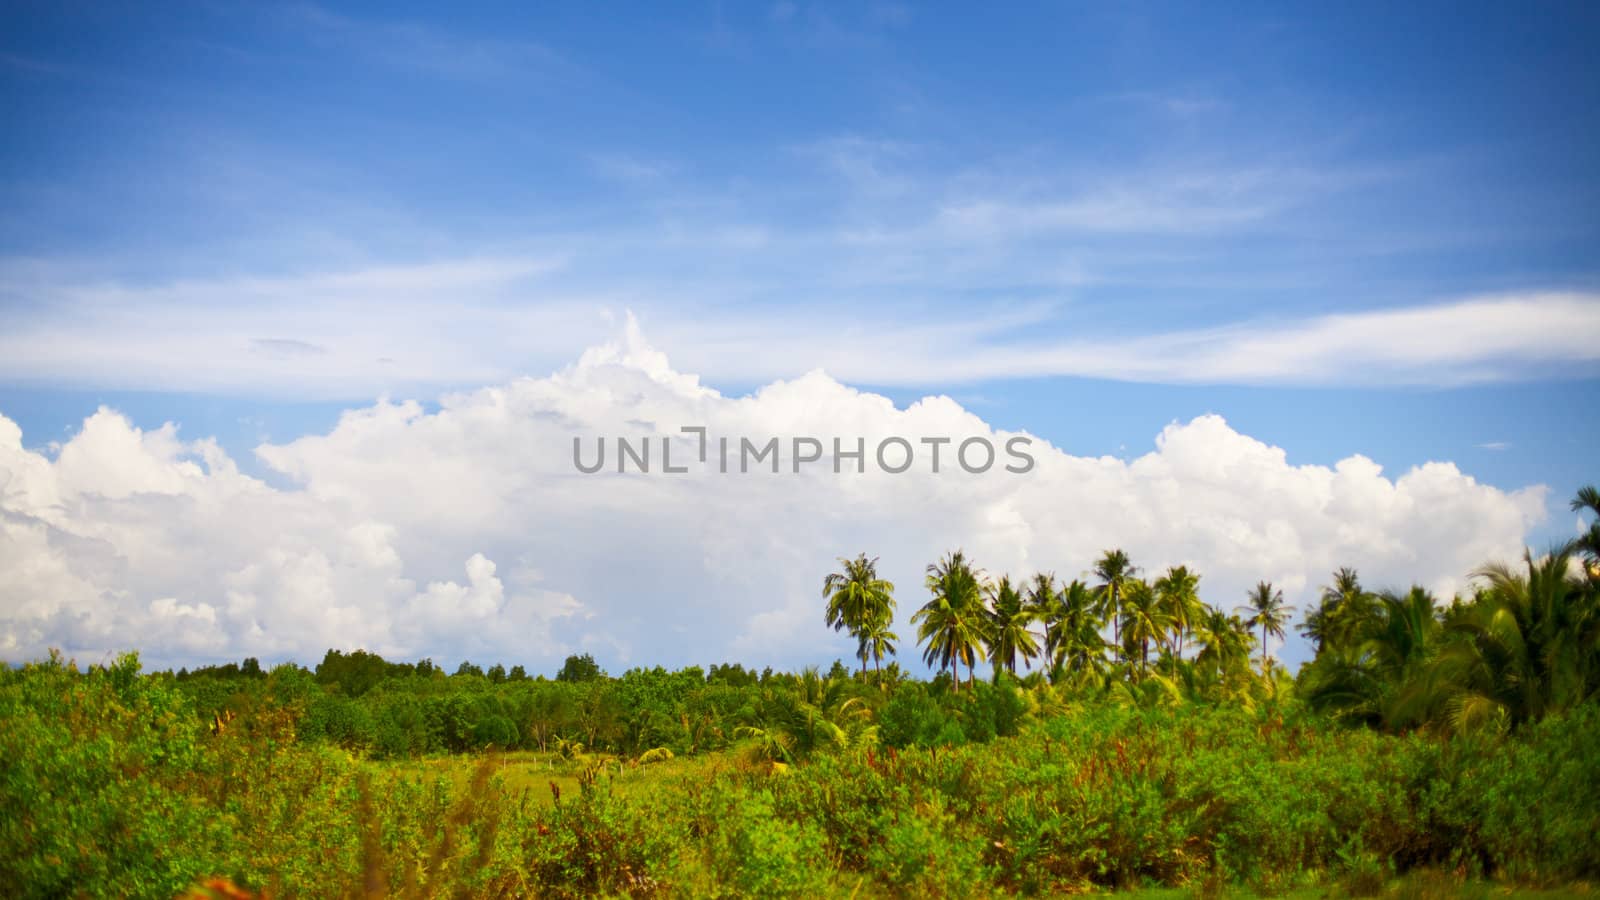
1179 594
1143 619
1224 640
1588 544
1343 612
1404 639
878 640
1528 645
1113 570
1009 618
1221 670
1406 629
953 623
1072 629
1374 678
1042 594
816 714
1268 612
858 600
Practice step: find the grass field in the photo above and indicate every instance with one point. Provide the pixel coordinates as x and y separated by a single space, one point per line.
531 774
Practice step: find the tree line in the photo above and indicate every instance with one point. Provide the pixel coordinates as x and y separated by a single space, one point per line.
1524 643
971 617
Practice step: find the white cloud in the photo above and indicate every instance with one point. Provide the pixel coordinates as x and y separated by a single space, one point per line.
421 328
352 333
132 538
1480 340
467 532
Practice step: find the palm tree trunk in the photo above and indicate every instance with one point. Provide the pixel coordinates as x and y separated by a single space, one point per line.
1116 626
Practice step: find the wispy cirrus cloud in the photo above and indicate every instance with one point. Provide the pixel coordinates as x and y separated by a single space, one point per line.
1161 200
286 348
1471 341
429 47
406 328
349 333
628 167
1478 340
1179 103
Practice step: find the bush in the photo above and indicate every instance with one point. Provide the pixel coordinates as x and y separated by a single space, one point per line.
922 853
84 766
596 844
764 855
913 718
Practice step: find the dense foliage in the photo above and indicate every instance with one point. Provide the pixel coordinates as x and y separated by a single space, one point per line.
116 789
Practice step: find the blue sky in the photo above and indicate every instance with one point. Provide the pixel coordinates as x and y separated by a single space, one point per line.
1347 230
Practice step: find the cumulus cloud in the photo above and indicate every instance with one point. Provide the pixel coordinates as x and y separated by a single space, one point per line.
136 539
467 532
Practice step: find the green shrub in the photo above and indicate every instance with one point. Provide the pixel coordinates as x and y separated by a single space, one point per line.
912 718
924 853
595 843
765 855
85 761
